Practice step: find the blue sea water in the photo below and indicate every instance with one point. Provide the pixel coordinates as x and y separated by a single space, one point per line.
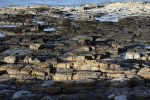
5 3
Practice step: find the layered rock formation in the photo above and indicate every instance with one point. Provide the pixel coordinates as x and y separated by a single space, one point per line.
47 57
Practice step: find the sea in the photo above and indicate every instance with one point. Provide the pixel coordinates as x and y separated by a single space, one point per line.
9 3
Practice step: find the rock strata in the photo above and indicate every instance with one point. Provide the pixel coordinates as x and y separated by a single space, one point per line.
80 60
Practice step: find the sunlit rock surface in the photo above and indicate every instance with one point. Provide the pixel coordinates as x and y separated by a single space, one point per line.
87 52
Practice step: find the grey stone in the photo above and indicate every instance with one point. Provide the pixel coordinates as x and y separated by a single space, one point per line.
22 94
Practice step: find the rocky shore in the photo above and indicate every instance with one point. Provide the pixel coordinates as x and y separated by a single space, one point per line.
75 53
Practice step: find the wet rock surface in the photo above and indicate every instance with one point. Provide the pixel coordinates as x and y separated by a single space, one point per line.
76 59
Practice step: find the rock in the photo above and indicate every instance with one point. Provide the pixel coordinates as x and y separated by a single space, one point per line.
67 84
131 73
85 82
137 55
118 90
79 58
34 28
14 69
119 82
120 97
144 72
111 96
3 70
64 71
5 79
47 98
36 46
3 86
149 58
90 65
89 6
129 55
84 48
111 68
6 94
4 67
22 94
132 55
31 60
144 58
44 65
115 75
2 48
11 59
86 75
64 65
140 94
58 77
26 70
54 89
48 83
41 72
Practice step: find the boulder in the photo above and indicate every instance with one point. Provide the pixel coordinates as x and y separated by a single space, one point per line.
36 46
144 72
11 59
133 55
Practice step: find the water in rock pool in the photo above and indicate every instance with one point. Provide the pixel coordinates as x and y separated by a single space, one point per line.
4 3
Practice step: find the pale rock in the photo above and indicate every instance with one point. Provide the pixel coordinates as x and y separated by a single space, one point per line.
64 65
11 59
133 55
36 46
144 72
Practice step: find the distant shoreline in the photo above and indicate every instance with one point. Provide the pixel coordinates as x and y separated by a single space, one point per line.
110 12
76 3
